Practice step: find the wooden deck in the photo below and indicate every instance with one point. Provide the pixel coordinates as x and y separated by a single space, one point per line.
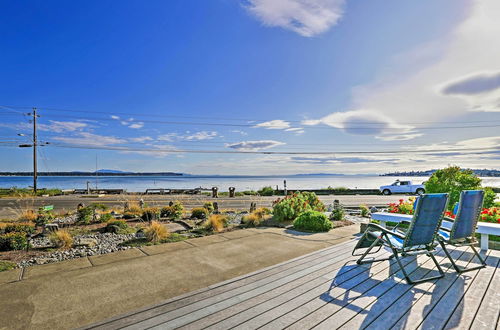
327 290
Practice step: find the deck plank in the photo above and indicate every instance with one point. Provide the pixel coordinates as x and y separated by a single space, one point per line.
200 295
382 303
488 314
188 313
432 293
383 294
468 306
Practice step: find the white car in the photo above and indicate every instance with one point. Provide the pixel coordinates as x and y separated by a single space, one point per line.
403 187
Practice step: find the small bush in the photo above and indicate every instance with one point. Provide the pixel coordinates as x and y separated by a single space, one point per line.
44 217
489 198
134 208
291 206
17 227
62 239
118 223
150 214
105 217
85 215
6 265
337 214
173 211
216 222
266 191
262 211
312 221
252 220
364 210
13 241
209 206
156 232
199 213
131 215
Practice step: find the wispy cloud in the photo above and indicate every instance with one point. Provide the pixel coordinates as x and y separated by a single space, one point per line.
198 136
367 122
90 139
62 126
141 139
273 124
254 145
130 122
343 160
305 17
240 132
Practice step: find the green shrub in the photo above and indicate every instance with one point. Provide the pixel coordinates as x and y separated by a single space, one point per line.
122 224
105 217
13 241
150 214
266 191
489 198
44 217
312 221
173 211
209 206
337 214
6 265
26 228
289 207
364 210
85 215
452 180
199 213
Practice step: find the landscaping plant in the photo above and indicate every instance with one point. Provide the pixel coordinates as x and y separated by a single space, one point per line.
173 211
6 265
337 214
150 214
199 213
312 221
156 232
364 210
266 191
452 180
61 239
289 207
13 241
255 218
209 206
402 207
216 222
490 215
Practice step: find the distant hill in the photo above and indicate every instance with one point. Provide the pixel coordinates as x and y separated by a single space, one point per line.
98 172
478 172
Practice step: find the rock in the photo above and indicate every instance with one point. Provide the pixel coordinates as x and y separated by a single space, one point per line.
140 234
89 242
50 227
373 209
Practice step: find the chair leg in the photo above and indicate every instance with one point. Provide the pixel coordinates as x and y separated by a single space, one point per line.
463 270
360 261
424 279
375 242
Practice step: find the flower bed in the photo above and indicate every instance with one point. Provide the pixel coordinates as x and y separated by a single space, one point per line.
491 215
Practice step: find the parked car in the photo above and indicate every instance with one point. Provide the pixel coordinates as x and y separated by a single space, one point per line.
403 187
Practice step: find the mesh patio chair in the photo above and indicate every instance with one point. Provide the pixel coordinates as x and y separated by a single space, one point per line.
464 226
420 238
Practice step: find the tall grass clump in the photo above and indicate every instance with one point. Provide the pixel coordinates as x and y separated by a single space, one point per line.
216 222
62 239
156 232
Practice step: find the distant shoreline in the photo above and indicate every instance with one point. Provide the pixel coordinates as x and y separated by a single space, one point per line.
91 174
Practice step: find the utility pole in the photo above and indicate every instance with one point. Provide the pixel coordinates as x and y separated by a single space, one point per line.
34 144
34 151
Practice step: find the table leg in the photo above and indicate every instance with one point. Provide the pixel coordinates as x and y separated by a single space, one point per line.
484 241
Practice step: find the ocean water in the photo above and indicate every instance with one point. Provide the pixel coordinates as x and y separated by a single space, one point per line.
141 183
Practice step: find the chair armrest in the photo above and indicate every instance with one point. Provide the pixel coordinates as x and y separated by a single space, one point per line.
385 230
402 221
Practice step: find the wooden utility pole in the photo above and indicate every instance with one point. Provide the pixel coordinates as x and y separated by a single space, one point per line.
34 151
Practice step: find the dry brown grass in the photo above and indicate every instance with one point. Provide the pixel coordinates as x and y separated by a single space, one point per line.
215 222
61 239
255 218
27 215
156 232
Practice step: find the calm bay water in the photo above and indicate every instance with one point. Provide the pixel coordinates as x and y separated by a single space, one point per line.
141 183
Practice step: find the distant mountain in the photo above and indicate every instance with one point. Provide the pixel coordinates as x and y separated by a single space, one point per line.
111 171
478 172
99 172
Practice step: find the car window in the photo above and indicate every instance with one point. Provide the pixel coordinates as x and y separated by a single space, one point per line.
404 183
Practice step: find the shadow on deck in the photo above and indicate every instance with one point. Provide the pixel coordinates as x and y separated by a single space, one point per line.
328 290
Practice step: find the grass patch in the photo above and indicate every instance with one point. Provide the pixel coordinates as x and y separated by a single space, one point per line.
6 265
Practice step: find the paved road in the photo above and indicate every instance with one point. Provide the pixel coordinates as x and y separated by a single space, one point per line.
12 207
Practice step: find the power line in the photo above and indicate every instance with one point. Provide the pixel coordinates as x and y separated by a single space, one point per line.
270 152
221 118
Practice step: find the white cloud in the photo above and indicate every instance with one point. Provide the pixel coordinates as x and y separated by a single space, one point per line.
115 117
240 132
254 145
169 137
305 17
367 122
90 139
137 125
480 90
198 136
273 124
415 81
141 139
62 126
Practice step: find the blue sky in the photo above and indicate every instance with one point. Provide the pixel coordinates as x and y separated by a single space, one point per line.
322 84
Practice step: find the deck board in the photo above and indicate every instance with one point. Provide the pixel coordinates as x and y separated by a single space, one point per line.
328 290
